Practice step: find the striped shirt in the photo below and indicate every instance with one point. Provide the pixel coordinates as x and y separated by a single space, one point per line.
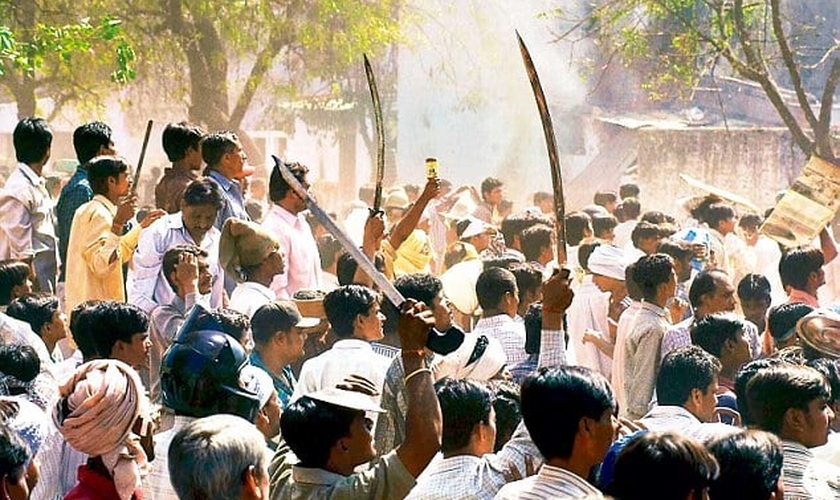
806 476
550 482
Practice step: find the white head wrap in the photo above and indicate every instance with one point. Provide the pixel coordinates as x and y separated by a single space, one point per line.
608 261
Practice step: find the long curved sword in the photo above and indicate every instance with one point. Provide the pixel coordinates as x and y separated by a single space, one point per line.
380 134
551 145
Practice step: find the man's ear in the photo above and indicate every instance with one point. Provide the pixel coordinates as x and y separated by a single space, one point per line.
793 419
251 484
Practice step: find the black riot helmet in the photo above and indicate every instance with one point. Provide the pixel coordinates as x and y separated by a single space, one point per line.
200 372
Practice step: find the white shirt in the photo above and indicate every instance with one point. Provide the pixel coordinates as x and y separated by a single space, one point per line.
346 357
27 225
508 332
149 287
550 482
249 296
300 252
589 310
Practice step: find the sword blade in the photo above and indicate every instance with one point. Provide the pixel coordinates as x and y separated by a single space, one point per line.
380 134
551 146
142 156
385 286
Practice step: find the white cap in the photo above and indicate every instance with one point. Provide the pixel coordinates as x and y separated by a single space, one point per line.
609 261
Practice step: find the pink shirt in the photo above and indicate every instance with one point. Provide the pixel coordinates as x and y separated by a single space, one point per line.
300 252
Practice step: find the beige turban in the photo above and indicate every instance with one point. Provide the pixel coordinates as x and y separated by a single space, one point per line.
244 244
96 412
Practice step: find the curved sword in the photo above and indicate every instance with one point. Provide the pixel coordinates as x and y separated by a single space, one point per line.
380 135
551 145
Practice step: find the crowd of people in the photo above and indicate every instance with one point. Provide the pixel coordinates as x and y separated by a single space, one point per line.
223 344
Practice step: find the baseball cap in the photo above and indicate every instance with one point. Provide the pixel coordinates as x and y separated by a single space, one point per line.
279 315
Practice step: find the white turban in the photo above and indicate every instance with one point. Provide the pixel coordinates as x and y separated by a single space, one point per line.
609 261
479 358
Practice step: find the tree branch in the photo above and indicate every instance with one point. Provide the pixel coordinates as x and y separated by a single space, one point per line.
255 77
822 133
790 63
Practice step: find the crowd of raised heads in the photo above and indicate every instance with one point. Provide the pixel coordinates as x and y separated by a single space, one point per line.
223 344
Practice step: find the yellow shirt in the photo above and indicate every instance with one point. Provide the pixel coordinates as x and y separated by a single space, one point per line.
90 272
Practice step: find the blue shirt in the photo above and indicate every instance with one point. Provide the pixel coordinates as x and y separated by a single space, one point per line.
284 385
234 200
76 193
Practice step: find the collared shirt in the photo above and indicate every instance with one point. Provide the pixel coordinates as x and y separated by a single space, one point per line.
249 296
76 193
149 287
157 485
802 296
27 226
346 357
234 201
90 272
550 482
467 477
300 252
626 322
642 357
170 188
806 476
386 478
284 385
508 332
164 323
679 335
524 368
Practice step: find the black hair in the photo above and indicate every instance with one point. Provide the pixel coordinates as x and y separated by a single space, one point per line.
533 328
82 318
113 321
576 225
344 304
20 361
534 239
12 273
529 279
508 407
754 287
644 230
419 286
233 322
745 374
773 391
703 284
629 190
783 318
828 368
712 332
603 223
750 220
797 264
36 309
345 268
14 455
32 139
651 271
584 252
180 137
311 428
463 404
602 198
101 169
173 256
489 184
215 145
678 250
515 224
89 138
631 208
204 191
633 289
278 187
682 371
750 465
492 285
652 456
554 400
